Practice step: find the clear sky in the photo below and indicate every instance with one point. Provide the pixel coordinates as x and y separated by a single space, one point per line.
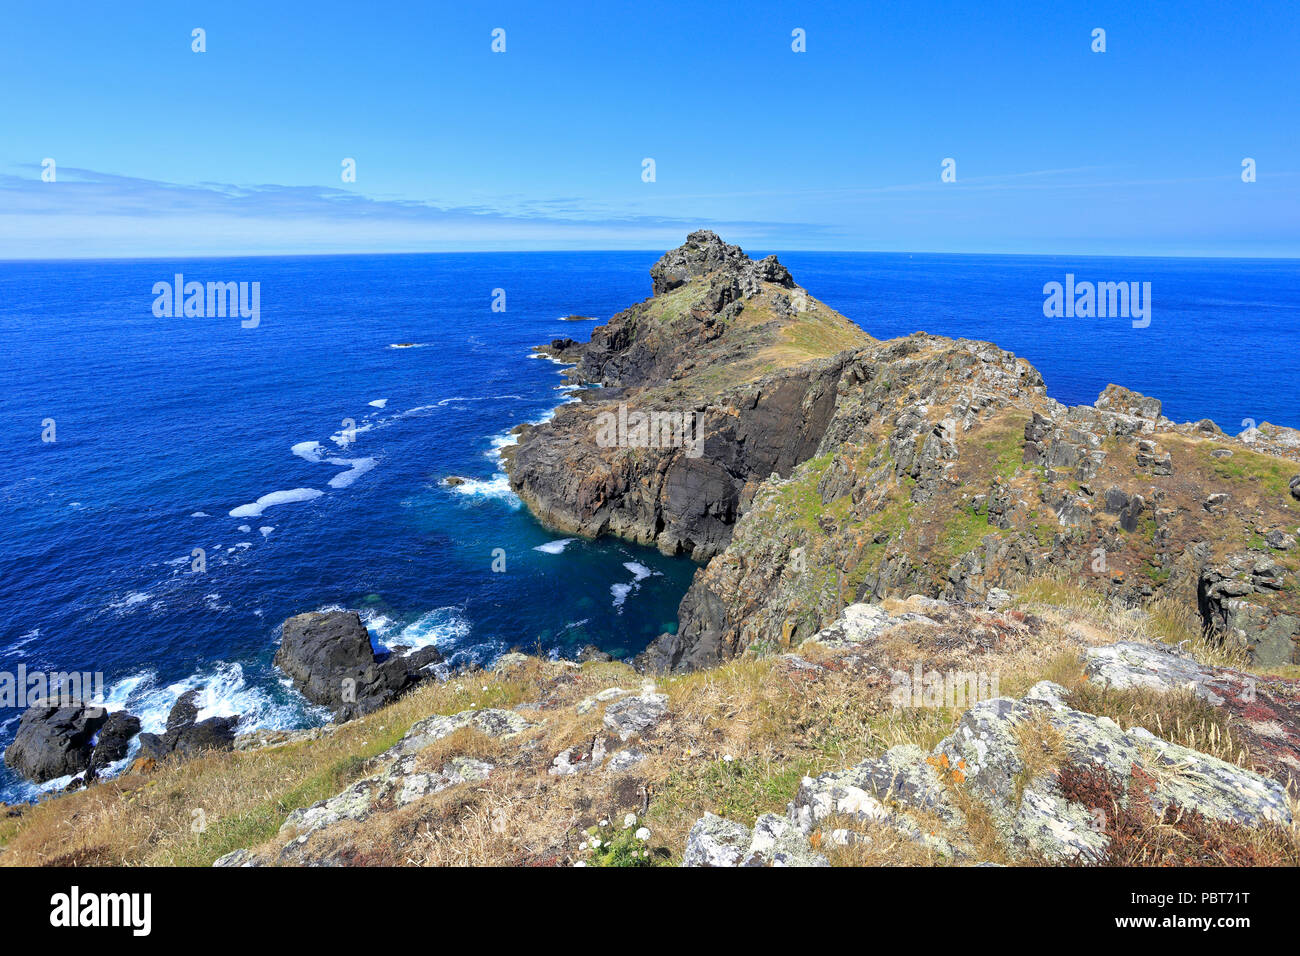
159 150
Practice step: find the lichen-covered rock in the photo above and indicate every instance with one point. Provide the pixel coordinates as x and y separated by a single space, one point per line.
491 721
1267 709
636 715
625 760
984 754
588 704
777 841
242 857
1129 664
397 785
715 841
401 778
859 624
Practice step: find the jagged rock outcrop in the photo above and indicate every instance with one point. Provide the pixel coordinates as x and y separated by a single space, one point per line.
114 739
402 778
836 469
711 355
331 661
185 735
53 742
1021 761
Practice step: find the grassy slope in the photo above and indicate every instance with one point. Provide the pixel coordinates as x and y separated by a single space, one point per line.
737 742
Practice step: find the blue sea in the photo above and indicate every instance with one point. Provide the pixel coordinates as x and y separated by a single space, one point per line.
330 444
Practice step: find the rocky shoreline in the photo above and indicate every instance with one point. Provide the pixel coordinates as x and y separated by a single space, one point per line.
327 655
836 469
878 526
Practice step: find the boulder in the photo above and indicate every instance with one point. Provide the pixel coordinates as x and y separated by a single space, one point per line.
714 841
1280 540
186 735
329 657
114 739
54 741
635 715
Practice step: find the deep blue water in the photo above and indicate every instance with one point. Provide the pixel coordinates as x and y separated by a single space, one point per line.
166 425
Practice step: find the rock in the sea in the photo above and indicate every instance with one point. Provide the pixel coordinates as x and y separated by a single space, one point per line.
54 741
114 739
186 735
330 659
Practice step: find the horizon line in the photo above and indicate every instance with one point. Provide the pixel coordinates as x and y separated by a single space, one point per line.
648 250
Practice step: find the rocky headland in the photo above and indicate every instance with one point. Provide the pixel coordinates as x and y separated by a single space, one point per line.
837 469
939 619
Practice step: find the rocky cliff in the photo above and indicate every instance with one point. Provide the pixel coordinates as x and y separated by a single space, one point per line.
834 468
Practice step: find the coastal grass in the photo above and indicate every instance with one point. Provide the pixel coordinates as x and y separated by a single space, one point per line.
737 740
1164 619
189 813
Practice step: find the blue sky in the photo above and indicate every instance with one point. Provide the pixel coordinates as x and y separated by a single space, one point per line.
163 151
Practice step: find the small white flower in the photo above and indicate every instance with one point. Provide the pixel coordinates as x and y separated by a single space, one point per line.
642 834
727 758
629 821
595 843
485 688
581 863
604 823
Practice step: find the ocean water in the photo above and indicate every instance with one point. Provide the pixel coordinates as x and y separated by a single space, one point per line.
329 445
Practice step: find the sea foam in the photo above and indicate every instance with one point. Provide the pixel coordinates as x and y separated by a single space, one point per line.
255 509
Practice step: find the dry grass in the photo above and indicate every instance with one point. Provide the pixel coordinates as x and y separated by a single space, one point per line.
190 813
1041 746
737 741
1139 835
1179 716
1164 619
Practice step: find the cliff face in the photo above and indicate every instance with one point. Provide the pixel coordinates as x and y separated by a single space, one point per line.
837 469
737 354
